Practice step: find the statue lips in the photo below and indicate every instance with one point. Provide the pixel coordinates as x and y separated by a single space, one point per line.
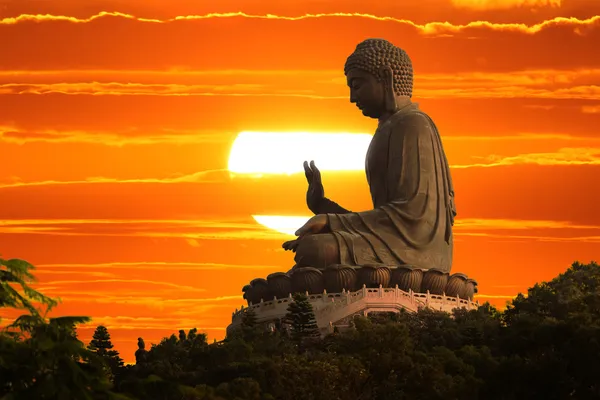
362 109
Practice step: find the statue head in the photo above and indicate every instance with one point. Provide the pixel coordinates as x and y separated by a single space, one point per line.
379 75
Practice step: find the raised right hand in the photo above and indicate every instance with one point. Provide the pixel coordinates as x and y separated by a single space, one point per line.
315 193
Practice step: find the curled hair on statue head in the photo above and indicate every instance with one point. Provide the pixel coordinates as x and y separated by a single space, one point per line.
372 54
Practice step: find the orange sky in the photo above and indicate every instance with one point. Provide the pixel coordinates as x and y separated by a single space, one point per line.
115 131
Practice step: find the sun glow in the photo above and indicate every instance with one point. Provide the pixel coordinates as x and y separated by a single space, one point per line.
284 152
282 224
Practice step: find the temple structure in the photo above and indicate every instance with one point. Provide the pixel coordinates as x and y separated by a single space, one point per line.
339 293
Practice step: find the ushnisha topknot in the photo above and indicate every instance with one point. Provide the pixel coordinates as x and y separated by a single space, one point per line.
371 54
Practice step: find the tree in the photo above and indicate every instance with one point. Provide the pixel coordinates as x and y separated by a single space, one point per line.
552 337
103 347
15 272
49 362
42 358
250 329
301 318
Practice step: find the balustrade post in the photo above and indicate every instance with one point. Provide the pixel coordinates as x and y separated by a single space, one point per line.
380 291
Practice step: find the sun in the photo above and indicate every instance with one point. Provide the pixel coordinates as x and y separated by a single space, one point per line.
259 153
284 152
286 225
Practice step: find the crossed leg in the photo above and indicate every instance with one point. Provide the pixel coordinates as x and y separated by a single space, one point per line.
317 251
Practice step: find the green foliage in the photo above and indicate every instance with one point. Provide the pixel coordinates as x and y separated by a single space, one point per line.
18 273
103 347
301 319
544 345
42 358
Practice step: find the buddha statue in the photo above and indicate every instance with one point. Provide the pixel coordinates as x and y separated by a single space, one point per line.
407 172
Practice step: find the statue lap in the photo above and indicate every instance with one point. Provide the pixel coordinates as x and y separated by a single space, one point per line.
318 251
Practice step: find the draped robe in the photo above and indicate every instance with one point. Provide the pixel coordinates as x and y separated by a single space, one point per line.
413 199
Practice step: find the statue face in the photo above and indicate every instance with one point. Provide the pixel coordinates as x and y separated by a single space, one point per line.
366 92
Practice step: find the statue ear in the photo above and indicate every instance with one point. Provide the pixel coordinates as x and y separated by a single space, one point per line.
387 79
387 76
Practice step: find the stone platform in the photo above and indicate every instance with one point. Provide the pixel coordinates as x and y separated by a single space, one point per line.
339 292
337 309
336 278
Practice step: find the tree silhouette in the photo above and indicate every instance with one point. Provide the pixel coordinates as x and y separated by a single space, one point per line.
103 347
301 318
15 272
544 345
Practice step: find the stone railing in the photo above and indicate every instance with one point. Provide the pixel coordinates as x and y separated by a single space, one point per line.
336 278
332 307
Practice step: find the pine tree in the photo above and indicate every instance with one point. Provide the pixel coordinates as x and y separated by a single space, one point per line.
101 345
249 318
301 318
250 327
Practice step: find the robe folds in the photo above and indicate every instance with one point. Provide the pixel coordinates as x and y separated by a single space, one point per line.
413 199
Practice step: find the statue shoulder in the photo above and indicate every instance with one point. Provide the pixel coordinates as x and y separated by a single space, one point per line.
412 122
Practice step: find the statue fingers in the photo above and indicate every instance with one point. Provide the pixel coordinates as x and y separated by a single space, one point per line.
294 245
315 171
291 245
308 172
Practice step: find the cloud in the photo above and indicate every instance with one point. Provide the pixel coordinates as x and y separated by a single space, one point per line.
224 230
217 175
481 44
148 298
182 229
532 238
119 138
149 266
130 89
493 296
590 109
567 156
324 84
431 28
52 285
147 323
518 224
114 323
504 4
564 156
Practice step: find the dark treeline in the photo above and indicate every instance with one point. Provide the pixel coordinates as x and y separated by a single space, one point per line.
544 345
